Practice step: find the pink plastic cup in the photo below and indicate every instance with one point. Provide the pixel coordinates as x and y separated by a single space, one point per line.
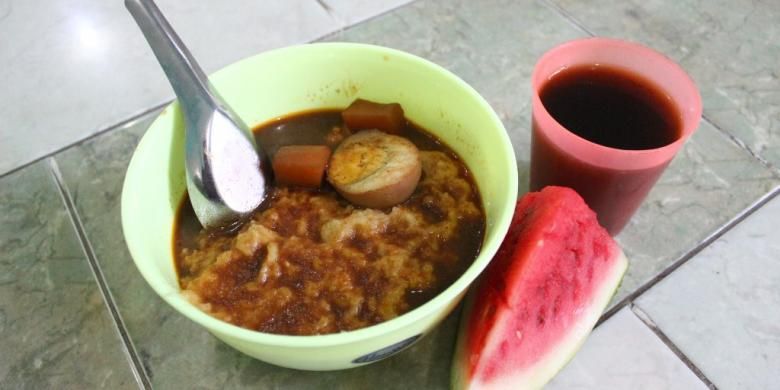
613 182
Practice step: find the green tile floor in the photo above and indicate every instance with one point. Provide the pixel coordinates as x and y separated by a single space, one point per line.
60 225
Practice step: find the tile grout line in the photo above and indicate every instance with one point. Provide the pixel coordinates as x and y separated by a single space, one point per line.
121 124
569 18
135 362
342 23
645 318
684 258
324 4
742 145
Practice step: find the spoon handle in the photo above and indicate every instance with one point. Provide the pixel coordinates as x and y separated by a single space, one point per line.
227 174
190 84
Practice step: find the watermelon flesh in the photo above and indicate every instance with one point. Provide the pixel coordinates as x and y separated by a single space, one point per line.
540 297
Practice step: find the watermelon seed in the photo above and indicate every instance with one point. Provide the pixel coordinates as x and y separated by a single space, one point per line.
519 334
540 318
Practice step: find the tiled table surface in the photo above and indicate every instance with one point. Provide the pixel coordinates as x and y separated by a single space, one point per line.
71 69
698 307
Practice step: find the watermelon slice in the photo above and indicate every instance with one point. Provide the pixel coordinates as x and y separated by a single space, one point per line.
540 296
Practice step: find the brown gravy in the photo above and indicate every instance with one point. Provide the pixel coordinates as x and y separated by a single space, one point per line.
312 263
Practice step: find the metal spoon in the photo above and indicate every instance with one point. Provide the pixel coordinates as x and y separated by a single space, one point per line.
227 174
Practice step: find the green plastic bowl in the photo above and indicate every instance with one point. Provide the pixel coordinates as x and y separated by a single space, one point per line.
300 78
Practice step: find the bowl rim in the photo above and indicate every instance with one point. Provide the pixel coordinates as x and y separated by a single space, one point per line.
449 294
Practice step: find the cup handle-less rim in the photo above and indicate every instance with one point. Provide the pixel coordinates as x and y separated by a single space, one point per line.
669 76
